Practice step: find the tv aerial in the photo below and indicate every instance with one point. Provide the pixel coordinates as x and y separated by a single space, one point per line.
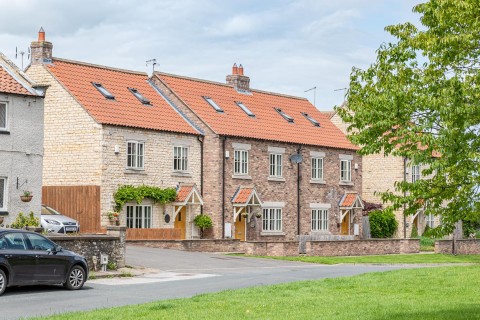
314 93
22 53
152 62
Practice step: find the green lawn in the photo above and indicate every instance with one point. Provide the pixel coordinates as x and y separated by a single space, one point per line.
390 259
426 293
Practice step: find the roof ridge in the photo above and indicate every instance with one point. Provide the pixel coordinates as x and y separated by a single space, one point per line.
227 85
99 66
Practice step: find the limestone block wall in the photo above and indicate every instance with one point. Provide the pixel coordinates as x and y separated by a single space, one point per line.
73 140
21 155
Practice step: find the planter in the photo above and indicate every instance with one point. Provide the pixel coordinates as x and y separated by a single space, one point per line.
26 198
258 215
35 229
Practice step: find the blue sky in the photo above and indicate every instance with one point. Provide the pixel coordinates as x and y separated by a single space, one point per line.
284 46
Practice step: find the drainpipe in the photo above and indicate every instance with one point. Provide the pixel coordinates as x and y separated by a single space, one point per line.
404 195
223 186
298 193
201 139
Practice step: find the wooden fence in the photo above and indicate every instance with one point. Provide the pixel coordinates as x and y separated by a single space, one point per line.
153 234
81 203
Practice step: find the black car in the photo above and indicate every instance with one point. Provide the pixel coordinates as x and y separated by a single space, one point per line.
28 258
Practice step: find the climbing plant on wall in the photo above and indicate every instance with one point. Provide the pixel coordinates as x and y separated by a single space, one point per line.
129 193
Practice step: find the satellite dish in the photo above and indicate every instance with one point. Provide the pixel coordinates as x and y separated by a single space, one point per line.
296 158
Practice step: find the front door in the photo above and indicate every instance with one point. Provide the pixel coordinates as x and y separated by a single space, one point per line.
180 222
345 228
240 227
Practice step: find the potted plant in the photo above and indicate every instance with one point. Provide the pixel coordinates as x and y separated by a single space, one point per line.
26 196
114 217
258 215
244 215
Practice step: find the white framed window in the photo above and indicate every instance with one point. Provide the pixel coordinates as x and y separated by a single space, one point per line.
139 217
240 162
317 168
319 220
345 170
135 154
276 165
3 116
430 220
180 158
272 219
415 173
3 193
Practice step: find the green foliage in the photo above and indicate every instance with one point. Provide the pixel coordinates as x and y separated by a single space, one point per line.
203 222
414 232
419 101
382 224
25 221
111 265
471 227
129 193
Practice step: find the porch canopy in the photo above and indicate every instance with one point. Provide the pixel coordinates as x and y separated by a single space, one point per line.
243 200
187 194
349 202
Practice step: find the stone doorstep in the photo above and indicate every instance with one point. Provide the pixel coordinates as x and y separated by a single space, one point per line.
135 271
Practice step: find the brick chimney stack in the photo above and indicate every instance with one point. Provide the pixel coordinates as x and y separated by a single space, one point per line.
41 50
237 79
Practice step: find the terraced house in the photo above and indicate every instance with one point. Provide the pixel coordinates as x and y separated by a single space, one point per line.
21 143
274 166
106 127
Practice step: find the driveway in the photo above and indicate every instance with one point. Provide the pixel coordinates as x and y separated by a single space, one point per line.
181 274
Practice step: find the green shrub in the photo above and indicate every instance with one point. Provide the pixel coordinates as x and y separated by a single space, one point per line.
382 224
427 232
203 222
25 221
414 234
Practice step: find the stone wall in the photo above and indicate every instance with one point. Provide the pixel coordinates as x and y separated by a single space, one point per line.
362 247
204 245
111 244
464 246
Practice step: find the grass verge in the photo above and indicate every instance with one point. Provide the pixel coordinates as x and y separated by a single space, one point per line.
427 293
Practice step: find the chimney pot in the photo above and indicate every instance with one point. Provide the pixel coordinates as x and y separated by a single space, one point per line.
41 34
240 70
234 69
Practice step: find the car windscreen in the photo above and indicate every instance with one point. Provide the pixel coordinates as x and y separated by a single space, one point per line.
49 211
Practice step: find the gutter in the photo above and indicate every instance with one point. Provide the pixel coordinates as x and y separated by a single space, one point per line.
201 139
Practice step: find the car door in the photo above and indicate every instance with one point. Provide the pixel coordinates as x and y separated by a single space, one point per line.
21 261
51 266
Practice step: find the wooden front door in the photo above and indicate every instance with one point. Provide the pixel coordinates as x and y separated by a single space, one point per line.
345 227
180 222
240 228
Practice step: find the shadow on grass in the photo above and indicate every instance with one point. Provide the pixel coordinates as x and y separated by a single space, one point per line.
470 311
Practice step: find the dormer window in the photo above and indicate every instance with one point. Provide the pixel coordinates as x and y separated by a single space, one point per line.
103 91
139 96
213 104
284 115
245 109
309 118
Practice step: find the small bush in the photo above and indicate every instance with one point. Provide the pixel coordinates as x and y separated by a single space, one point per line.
25 221
203 222
382 224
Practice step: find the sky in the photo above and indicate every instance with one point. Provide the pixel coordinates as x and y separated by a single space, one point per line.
285 46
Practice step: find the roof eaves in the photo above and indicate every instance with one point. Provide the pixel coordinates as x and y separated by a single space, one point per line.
98 66
18 75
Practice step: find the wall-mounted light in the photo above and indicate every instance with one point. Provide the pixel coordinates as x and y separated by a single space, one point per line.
356 166
117 149
227 154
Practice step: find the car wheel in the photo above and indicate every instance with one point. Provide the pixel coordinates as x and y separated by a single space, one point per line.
3 282
76 278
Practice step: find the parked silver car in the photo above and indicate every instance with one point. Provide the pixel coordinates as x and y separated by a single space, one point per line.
53 221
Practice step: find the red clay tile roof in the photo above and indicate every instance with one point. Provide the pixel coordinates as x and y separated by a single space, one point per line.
267 123
126 109
183 192
8 83
349 200
242 195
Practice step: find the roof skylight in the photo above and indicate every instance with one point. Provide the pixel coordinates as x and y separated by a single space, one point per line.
213 104
103 91
284 115
245 109
309 118
139 96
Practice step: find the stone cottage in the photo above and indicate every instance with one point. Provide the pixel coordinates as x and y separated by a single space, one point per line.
21 143
275 167
108 127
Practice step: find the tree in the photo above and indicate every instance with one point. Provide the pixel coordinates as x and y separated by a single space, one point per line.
203 222
420 100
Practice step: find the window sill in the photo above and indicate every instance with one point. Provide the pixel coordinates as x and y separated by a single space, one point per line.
276 179
266 233
181 174
317 181
243 177
4 132
135 171
3 213
344 183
